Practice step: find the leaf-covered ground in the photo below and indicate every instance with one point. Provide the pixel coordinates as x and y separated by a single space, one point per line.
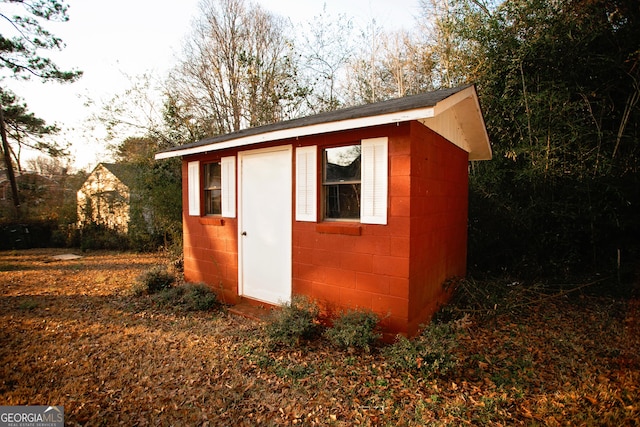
73 334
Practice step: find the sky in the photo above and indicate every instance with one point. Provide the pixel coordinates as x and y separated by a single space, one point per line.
113 41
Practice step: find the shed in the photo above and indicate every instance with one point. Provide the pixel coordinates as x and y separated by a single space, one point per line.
364 207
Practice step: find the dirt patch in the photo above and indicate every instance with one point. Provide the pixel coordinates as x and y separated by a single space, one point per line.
74 335
66 257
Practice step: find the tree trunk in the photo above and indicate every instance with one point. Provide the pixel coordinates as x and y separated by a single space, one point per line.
7 160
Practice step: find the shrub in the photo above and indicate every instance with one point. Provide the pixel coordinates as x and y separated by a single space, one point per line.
99 236
199 297
293 321
190 297
354 329
169 297
431 353
156 279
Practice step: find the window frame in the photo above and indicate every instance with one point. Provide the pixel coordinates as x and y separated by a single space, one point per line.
326 185
196 198
374 181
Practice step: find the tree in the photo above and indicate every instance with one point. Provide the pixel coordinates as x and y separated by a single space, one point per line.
559 85
49 167
409 64
21 41
141 109
327 48
238 69
48 189
390 65
25 129
364 74
446 49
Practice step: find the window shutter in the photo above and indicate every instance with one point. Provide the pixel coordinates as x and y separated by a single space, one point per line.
374 166
306 184
228 177
193 181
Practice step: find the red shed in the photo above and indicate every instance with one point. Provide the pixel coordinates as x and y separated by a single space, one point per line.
364 207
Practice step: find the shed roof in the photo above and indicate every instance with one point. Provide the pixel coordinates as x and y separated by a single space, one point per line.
453 113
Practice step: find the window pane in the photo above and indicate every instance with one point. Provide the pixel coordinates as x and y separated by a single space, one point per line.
342 164
341 182
212 176
213 202
212 189
342 201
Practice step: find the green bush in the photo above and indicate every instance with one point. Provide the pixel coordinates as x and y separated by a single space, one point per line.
431 353
98 236
354 329
293 321
189 297
199 297
156 279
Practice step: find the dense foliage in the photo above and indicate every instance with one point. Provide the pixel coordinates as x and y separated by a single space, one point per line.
559 83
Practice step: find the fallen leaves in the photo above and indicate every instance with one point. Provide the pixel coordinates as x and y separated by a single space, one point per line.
73 335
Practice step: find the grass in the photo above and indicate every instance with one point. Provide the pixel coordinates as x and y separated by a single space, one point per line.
114 358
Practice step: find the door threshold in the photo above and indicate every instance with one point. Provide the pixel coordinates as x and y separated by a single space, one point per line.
252 309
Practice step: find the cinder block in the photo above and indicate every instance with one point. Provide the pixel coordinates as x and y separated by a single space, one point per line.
374 283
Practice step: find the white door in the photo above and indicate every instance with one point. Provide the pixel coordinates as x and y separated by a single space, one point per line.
265 224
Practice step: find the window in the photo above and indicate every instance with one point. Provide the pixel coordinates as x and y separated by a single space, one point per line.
354 182
341 182
218 187
212 189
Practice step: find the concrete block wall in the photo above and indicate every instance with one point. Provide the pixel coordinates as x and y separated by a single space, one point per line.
396 270
351 265
210 249
439 195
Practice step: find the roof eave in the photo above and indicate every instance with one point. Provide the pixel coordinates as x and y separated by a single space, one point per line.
449 117
451 121
300 131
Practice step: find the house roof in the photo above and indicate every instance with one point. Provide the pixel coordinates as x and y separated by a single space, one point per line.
453 113
125 172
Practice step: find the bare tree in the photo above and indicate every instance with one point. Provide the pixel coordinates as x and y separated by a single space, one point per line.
238 69
448 52
407 63
328 47
138 110
389 65
364 75
50 167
